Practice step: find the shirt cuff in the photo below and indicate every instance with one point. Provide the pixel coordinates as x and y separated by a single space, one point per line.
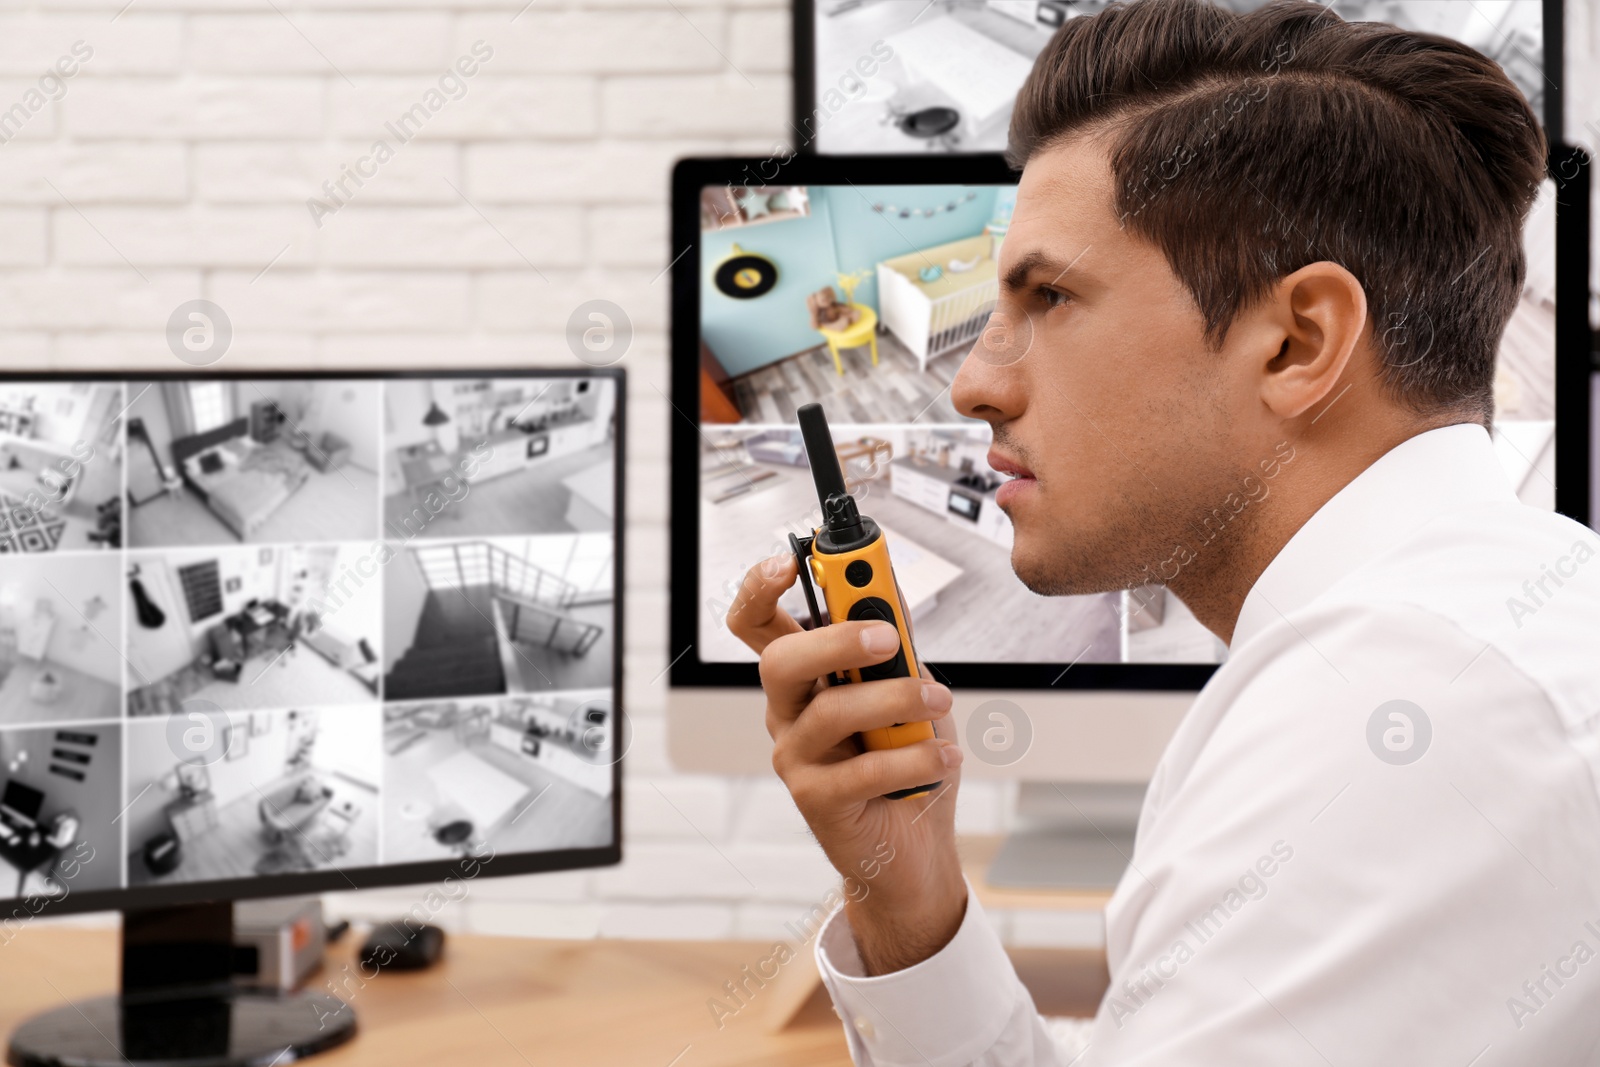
945 1011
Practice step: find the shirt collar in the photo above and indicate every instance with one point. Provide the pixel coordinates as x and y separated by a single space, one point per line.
1431 474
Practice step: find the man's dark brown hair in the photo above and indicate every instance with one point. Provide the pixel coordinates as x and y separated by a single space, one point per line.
1245 146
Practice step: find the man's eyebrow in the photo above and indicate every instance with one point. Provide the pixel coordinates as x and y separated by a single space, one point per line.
1017 277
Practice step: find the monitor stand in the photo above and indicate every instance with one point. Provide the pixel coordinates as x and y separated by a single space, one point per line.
179 1007
1069 836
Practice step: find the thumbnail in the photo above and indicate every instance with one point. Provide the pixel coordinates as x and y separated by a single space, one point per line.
479 457
214 795
219 461
246 626
499 615
59 800
511 774
60 466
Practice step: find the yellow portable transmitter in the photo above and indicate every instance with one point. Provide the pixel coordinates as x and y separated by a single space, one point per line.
847 558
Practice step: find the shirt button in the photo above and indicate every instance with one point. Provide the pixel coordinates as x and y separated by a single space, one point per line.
864 1027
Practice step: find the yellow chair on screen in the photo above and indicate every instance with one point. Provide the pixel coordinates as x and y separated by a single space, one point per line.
864 331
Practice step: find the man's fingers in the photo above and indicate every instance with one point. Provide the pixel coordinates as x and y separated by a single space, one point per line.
792 663
755 617
824 790
836 713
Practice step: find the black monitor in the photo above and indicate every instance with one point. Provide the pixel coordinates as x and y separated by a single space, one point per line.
909 245
22 801
289 633
932 85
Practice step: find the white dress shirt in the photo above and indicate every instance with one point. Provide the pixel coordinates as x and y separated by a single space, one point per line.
1321 876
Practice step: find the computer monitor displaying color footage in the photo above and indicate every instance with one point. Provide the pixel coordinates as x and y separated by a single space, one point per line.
263 635
866 297
921 76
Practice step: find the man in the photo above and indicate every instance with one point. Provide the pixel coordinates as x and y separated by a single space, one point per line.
1251 298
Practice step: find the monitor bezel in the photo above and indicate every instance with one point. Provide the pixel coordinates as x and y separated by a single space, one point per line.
1568 167
439 873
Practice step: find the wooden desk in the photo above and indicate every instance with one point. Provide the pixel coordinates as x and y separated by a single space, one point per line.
509 1002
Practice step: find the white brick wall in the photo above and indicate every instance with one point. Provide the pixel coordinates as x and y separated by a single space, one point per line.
178 164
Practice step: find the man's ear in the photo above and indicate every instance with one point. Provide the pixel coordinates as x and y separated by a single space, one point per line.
1320 312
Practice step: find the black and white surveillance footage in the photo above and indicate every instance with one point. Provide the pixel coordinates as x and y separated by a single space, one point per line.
910 76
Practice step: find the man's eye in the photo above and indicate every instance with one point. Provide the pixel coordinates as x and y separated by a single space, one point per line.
1052 298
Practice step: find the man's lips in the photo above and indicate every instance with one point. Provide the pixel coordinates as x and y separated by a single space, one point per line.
1001 463
1021 482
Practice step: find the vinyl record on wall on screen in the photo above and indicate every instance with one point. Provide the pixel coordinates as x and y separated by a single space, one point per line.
745 275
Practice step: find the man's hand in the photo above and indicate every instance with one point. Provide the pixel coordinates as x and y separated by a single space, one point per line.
903 877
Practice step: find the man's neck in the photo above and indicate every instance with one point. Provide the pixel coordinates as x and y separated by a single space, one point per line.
1215 585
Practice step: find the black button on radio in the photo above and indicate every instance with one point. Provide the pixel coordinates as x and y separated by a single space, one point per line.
876 609
858 573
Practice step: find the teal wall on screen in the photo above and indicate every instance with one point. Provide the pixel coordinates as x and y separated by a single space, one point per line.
842 233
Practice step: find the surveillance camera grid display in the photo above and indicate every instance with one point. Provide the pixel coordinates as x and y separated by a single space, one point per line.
256 628
866 298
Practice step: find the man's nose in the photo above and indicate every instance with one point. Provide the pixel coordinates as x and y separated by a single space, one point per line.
991 382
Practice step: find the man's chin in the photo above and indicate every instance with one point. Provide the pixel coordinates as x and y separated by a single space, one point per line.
1044 576
1048 576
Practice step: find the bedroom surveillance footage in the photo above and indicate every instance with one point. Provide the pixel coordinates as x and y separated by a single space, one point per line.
287 625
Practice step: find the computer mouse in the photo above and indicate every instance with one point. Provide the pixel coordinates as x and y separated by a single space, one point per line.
402 946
